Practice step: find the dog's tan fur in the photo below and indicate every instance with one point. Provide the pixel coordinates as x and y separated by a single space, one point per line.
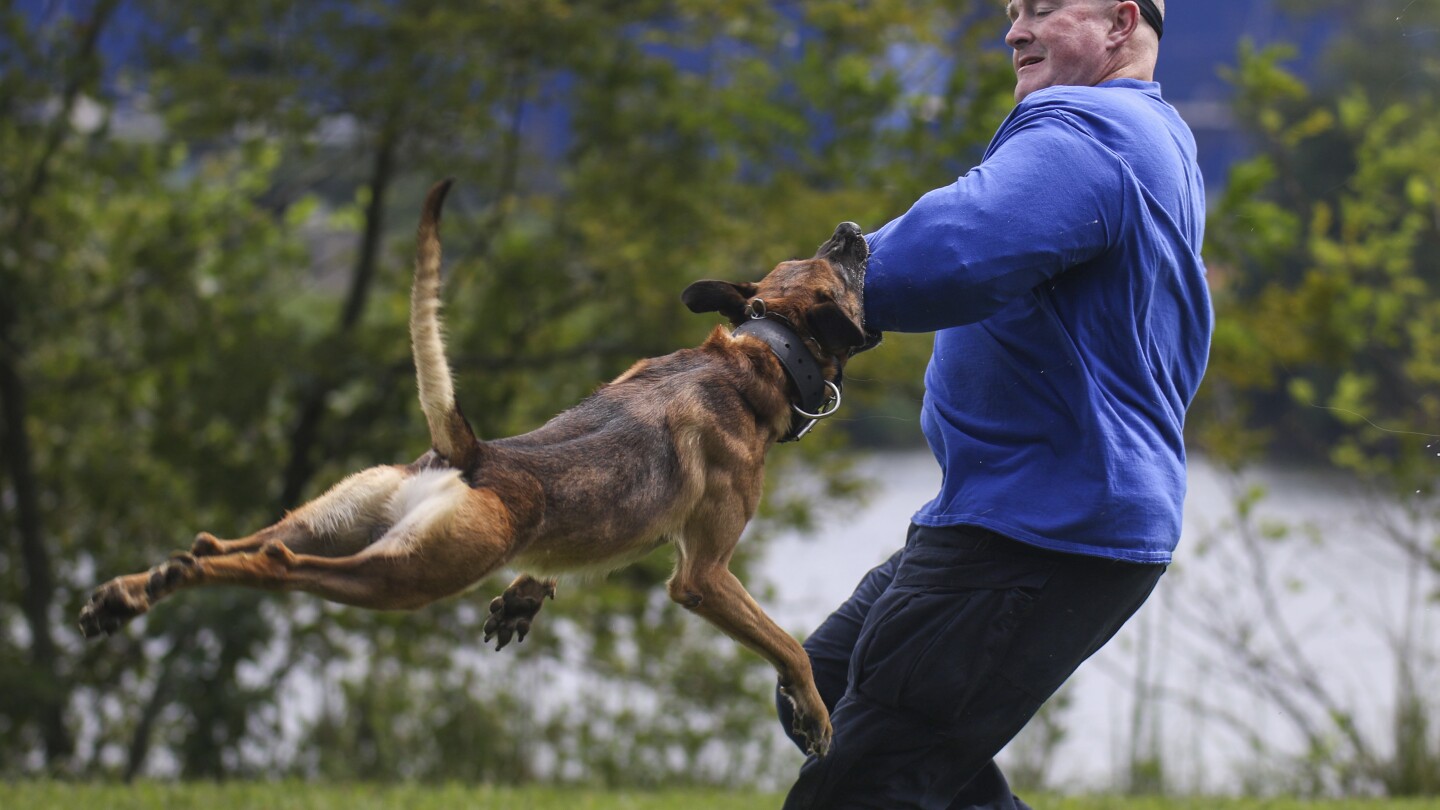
671 451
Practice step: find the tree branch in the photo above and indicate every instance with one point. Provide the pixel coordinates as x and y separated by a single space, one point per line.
38 591
306 433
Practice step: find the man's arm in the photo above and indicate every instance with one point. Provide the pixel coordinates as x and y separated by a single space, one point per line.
1047 198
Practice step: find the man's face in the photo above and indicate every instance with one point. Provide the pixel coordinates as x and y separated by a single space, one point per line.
1058 42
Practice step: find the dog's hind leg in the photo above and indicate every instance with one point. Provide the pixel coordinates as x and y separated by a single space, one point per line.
342 521
378 580
448 536
348 517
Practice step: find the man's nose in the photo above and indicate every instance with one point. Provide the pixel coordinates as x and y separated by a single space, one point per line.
1018 34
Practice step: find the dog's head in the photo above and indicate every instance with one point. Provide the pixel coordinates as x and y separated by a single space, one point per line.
822 297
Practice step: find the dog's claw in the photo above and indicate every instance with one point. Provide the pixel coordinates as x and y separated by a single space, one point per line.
513 612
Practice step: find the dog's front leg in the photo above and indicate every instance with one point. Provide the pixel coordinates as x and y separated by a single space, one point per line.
512 612
703 584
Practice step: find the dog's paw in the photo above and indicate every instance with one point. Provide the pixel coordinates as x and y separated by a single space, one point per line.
111 606
813 725
816 731
512 612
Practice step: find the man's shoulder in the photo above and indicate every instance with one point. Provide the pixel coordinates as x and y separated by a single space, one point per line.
1119 98
1115 112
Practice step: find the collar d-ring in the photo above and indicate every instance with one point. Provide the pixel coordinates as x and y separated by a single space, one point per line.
833 401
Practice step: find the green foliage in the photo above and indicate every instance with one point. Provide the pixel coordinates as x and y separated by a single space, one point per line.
1324 251
1388 47
1326 269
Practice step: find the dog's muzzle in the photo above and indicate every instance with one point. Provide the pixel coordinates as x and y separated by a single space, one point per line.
846 246
847 250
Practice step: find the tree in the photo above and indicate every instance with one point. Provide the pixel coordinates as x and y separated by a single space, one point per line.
1323 252
1324 248
187 371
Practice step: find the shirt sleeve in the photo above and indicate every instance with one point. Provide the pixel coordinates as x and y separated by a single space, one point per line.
1046 198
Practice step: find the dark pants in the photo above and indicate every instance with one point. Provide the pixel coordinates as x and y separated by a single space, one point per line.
943 653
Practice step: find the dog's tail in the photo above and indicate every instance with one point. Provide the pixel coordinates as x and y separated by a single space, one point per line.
450 432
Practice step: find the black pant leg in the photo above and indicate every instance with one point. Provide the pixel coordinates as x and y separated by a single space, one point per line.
971 637
830 646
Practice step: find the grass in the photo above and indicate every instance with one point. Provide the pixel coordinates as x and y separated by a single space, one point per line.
1213 803
358 796
39 795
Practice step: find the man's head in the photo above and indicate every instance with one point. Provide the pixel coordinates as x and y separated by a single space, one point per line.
1080 42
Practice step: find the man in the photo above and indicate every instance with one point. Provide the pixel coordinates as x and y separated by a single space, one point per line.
1063 279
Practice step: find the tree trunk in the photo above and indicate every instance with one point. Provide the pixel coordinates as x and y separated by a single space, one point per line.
306 434
38 586
160 697
38 579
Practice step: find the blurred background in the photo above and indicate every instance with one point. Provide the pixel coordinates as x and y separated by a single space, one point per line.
206 218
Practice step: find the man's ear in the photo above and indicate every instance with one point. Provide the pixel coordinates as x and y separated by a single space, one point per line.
724 297
1127 20
834 330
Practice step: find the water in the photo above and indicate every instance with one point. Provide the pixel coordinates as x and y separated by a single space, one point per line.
1317 590
1346 597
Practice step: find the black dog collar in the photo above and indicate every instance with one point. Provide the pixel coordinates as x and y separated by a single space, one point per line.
802 368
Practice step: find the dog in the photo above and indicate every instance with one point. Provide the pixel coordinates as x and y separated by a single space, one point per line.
671 451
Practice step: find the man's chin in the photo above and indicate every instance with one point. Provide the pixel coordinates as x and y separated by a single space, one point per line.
1028 85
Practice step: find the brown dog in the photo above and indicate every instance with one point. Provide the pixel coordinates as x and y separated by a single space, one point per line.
671 451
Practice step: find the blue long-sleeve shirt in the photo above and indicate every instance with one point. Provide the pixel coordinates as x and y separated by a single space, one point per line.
1064 282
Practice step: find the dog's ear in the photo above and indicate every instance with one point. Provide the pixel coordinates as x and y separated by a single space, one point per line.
724 297
834 330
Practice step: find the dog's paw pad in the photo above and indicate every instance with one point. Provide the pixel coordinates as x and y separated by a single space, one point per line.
513 612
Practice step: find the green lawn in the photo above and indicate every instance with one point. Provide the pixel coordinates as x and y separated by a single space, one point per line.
1210 803
294 796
